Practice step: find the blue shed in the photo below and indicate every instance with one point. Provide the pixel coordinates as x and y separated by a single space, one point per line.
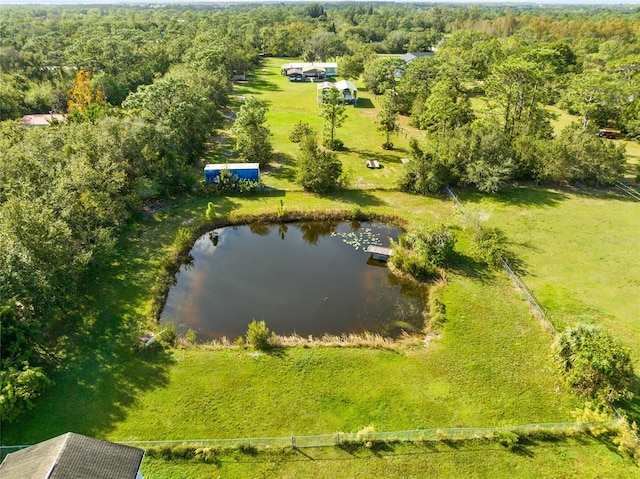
244 171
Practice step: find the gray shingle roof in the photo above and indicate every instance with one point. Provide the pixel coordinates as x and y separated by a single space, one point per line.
73 456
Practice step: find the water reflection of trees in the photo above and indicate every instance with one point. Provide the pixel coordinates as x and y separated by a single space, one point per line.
261 229
313 230
282 230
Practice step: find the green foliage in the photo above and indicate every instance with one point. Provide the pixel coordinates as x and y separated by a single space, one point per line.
333 111
252 136
422 250
508 439
258 335
491 246
379 74
190 336
387 119
319 170
300 130
168 337
435 243
594 363
19 388
211 211
227 182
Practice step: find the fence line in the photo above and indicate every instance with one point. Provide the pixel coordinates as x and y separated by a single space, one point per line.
537 309
628 190
338 439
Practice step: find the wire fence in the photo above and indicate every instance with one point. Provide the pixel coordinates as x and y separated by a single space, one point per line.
539 312
341 439
415 435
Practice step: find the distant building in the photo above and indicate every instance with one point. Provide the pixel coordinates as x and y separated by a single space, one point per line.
244 171
44 119
72 456
330 68
408 58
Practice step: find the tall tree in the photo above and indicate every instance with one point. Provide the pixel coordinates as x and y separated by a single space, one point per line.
516 87
387 119
445 108
333 111
380 74
252 135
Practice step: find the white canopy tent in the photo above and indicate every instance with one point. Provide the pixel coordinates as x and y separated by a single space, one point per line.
347 88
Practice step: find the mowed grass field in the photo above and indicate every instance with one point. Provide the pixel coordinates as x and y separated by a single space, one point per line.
577 250
293 102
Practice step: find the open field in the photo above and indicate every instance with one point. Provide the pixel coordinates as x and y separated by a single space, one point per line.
474 375
577 251
293 102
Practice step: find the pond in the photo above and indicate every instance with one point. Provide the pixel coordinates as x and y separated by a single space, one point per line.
310 278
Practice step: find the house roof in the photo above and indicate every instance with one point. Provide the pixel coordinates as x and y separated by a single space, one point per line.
73 456
42 119
345 85
341 85
410 56
231 166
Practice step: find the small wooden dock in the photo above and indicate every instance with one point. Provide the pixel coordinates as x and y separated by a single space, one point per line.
379 253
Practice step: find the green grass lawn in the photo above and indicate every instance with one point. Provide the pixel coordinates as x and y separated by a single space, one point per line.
570 459
292 102
576 249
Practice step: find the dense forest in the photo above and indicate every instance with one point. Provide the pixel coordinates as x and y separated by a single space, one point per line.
143 89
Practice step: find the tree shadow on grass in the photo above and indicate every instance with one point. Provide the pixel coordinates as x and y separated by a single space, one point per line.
256 84
364 103
382 158
356 197
282 167
470 267
521 196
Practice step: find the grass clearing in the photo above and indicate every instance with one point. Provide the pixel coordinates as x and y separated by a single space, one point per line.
475 375
577 251
292 102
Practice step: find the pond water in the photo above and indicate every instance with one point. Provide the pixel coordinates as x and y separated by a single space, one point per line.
309 278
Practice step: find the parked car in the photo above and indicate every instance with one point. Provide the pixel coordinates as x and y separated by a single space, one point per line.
608 133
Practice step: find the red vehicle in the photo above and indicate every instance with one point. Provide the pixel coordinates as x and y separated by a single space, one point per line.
608 133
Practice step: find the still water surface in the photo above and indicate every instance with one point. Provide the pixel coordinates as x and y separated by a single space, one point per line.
305 278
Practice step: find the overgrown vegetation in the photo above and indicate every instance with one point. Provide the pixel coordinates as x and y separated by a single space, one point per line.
594 363
422 250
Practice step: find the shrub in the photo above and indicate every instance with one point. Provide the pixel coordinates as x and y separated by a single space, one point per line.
335 145
211 211
508 439
422 250
18 389
168 337
491 246
300 130
190 336
594 363
258 335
